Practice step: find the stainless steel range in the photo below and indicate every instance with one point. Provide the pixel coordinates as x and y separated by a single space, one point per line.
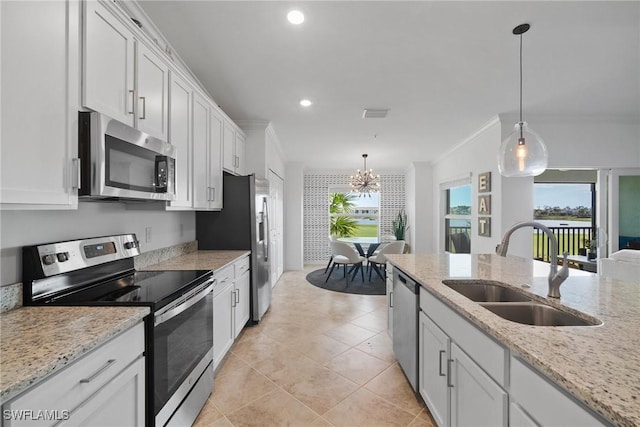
179 331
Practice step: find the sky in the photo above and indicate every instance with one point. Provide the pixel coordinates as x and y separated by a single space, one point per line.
562 195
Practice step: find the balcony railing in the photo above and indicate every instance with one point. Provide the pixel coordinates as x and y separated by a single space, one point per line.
570 239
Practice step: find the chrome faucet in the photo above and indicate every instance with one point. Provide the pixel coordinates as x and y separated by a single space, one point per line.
555 277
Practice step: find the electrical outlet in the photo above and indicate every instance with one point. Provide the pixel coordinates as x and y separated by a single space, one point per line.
147 234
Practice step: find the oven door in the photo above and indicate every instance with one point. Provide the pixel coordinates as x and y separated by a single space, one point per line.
183 351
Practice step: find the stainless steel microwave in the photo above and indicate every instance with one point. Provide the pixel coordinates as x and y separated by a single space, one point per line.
120 162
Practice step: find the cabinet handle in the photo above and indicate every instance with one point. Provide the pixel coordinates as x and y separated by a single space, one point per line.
237 161
237 296
133 100
442 374
109 363
449 384
75 173
144 108
233 299
213 197
391 299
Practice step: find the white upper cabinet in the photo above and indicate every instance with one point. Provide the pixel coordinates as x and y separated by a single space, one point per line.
180 94
111 86
108 64
207 155
233 150
40 80
152 85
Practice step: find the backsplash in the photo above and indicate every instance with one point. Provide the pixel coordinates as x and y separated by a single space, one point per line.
11 295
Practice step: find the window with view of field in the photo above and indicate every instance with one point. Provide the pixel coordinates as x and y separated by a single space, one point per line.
568 210
352 214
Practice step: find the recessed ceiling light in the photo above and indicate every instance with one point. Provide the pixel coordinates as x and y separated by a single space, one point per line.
305 103
295 17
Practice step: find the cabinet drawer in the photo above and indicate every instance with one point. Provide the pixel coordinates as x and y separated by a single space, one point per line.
545 402
242 265
224 277
487 353
69 388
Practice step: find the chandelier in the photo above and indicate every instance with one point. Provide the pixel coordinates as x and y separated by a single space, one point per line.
365 182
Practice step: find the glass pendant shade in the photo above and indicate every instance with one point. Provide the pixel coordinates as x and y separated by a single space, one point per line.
522 153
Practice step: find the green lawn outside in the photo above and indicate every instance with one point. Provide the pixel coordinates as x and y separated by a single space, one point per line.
366 230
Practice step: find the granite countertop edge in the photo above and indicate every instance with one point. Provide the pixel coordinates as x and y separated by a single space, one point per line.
517 337
200 260
21 350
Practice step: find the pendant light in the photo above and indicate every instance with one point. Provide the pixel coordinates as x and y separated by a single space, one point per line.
365 182
522 153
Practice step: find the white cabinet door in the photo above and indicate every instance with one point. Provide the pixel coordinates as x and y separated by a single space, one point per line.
40 81
119 403
223 333
108 64
390 300
476 400
152 88
200 146
241 168
180 137
215 160
433 354
519 418
241 309
229 148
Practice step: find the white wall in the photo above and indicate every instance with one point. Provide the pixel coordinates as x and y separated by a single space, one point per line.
511 198
92 219
293 211
419 206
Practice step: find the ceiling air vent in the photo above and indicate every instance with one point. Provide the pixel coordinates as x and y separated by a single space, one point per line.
370 113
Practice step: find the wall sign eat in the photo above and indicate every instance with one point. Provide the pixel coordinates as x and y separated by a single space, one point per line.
484 204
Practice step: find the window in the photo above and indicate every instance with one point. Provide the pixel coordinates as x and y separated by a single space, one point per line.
457 219
353 216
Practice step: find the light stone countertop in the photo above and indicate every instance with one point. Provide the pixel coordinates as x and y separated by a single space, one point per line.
37 341
199 260
600 365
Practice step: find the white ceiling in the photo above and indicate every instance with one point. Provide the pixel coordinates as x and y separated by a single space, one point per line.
443 69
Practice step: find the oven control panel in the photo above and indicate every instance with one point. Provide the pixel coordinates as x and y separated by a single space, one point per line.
63 257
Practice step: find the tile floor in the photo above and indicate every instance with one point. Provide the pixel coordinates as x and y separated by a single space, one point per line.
318 358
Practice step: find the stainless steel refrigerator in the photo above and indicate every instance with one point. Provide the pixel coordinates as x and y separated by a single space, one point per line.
243 223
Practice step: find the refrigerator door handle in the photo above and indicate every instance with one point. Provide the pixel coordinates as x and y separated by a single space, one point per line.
265 219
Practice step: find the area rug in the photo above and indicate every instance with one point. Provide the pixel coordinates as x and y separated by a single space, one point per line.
338 283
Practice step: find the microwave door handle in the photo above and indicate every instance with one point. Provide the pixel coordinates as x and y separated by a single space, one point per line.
161 174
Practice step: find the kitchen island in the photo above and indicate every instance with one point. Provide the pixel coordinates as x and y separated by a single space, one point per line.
598 365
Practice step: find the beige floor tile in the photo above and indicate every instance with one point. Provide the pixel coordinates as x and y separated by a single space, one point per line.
379 346
238 388
372 321
321 348
259 348
274 409
423 419
208 415
321 422
358 366
285 371
350 334
230 364
320 389
394 387
364 408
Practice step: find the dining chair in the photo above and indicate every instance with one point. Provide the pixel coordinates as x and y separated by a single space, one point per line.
461 243
331 239
344 254
380 259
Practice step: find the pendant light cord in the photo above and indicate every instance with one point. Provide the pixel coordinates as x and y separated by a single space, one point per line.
521 126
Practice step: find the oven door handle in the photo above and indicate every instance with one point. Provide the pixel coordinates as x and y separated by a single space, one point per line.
173 312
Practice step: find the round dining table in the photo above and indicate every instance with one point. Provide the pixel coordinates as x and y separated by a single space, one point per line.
372 242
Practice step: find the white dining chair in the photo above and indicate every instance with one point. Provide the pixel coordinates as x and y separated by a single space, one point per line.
380 259
344 254
331 239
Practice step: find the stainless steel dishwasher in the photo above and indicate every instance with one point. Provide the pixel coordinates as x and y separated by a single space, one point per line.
405 325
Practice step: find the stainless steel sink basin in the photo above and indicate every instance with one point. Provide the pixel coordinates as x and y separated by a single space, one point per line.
486 291
537 314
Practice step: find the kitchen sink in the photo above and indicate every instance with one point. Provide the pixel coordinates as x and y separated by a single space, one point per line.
486 291
536 314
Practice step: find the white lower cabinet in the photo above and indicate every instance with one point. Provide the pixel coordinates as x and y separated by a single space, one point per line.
519 418
456 390
545 403
105 387
389 299
231 306
476 400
